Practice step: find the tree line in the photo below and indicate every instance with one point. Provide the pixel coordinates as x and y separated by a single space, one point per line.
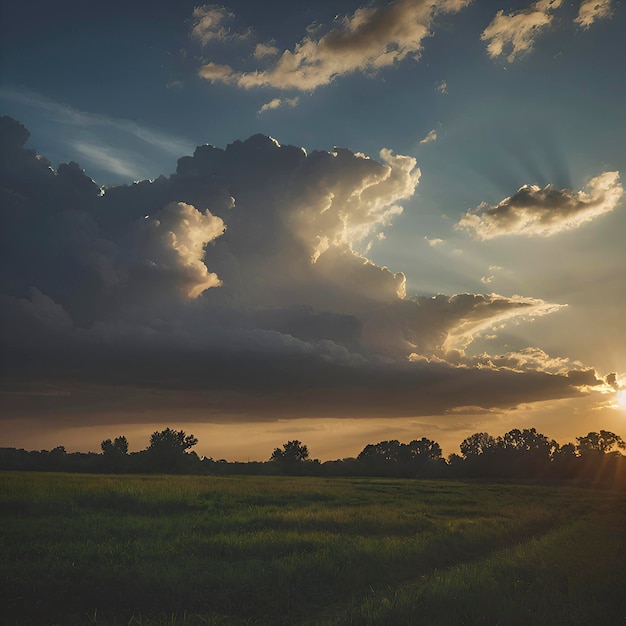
518 454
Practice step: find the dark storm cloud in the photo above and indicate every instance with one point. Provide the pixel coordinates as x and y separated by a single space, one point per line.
233 287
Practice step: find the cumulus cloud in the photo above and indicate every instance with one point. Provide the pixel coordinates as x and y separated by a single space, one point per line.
235 288
592 10
372 38
171 244
514 34
534 211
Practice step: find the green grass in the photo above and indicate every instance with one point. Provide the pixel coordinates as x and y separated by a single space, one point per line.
81 549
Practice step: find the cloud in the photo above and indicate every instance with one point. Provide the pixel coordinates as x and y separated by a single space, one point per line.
109 145
233 289
442 87
108 159
217 73
263 50
431 136
69 116
372 38
483 313
208 24
277 103
170 248
515 34
592 10
534 211
435 241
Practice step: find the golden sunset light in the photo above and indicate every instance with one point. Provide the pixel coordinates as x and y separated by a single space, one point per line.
323 221
312 313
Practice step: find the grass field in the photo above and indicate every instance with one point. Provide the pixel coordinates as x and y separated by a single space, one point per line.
83 549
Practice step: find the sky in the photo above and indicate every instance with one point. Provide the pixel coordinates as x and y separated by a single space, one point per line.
338 222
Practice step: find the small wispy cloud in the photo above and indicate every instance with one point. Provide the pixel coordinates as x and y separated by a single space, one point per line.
442 87
514 34
69 116
431 136
263 50
489 278
209 24
113 146
592 10
435 241
109 159
277 103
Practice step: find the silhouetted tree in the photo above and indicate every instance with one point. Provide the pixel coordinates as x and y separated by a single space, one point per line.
525 453
117 447
601 442
377 454
292 458
600 461
527 440
293 452
479 453
565 461
167 450
400 459
115 454
56 458
476 444
419 452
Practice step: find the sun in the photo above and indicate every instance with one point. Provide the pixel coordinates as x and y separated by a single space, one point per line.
621 398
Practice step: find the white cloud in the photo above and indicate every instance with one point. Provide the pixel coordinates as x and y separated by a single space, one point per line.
170 248
482 313
215 72
533 211
435 241
592 10
370 39
515 34
277 103
263 50
431 136
82 121
109 159
208 24
112 149
442 87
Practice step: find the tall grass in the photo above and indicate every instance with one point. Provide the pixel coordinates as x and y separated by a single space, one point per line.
80 549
